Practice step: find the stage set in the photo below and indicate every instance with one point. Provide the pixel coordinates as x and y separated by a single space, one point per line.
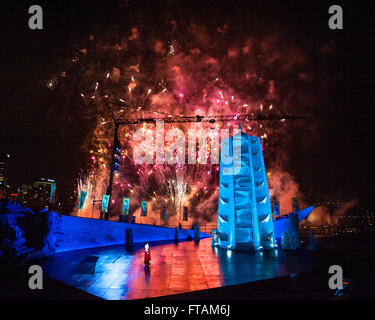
252 242
112 273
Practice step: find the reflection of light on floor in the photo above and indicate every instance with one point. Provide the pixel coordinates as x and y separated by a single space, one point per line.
114 276
216 250
113 273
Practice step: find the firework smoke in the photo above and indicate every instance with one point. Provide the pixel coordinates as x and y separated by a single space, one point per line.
187 69
323 215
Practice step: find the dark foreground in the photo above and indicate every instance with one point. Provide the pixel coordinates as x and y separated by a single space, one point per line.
306 280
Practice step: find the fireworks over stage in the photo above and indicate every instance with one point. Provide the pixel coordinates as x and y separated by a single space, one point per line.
186 68
179 74
170 60
182 149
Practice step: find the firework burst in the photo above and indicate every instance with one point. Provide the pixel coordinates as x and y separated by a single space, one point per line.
159 77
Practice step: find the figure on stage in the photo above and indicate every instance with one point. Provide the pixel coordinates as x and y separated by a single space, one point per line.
147 255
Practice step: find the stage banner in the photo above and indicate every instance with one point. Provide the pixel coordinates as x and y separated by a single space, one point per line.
105 203
52 193
125 206
295 205
82 198
276 208
185 214
164 213
144 208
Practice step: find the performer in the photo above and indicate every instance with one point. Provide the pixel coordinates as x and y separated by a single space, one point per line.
147 255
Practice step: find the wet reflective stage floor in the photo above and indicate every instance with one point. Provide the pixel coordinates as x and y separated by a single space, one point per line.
112 273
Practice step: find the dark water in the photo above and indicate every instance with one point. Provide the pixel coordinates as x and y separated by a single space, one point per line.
355 254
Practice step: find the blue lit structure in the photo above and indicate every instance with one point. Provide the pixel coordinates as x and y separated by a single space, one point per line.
75 233
52 194
69 233
289 222
244 212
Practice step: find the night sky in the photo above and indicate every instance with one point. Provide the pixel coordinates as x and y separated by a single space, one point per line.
33 125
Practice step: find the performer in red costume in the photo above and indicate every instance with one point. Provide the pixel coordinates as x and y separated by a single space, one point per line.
147 255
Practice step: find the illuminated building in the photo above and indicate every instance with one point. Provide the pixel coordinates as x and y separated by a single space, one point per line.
37 194
244 214
42 191
25 194
3 175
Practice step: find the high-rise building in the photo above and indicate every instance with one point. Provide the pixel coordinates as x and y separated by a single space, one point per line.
37 194
25 194
42 191
4 158
244 214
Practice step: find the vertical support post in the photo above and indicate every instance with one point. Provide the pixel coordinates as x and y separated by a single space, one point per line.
110 184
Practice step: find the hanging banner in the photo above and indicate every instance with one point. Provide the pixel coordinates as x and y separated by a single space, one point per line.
82 198
295 206
105 203
144 209
125 206
275 208
164 213
52 193
185 214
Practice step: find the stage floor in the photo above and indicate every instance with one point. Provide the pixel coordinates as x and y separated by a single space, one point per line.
112 273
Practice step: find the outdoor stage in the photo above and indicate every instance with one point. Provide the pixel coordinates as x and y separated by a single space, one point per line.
112 273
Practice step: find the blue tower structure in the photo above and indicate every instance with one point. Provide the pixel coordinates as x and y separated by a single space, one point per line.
244 213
